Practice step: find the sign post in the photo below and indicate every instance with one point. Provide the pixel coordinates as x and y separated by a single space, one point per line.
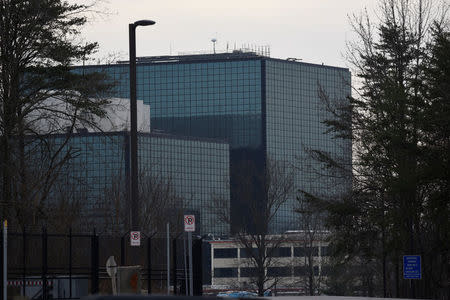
189 227
5 259
168 258
135 238
412 268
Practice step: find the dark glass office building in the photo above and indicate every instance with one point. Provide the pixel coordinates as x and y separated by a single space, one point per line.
264 108
188 169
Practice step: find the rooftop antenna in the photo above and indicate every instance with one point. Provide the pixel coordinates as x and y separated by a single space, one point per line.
214 40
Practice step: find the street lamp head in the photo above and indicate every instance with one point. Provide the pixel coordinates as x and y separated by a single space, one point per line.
144 23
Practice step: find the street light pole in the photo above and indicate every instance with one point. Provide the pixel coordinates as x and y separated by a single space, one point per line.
134 222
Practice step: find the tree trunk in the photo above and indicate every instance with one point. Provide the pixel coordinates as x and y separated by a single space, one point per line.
6 178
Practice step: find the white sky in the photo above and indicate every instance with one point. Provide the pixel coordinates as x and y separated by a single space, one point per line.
313 30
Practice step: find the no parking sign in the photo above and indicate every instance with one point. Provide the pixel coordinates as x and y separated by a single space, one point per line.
189 223
135 238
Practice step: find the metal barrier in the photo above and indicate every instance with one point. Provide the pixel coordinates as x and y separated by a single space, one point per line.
68 266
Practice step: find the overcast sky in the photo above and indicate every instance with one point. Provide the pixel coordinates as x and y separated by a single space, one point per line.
313 30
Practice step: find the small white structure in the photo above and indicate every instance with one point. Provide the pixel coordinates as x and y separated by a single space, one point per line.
55 116
118 116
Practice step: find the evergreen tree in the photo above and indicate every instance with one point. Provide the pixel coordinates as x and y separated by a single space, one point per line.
435 173
399 203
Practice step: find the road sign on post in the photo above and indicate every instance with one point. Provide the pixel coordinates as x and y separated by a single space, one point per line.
189 227
412 267
189 223
135 238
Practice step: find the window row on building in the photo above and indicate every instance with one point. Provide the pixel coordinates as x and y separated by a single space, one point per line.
272 252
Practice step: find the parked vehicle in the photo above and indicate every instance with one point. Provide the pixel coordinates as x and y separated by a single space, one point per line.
237 294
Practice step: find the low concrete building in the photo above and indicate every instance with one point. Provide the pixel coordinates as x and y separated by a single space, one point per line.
290 264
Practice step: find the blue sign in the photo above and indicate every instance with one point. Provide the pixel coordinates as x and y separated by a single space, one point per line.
411 267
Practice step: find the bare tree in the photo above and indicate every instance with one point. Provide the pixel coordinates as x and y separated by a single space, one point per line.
311 230
255 237
158 203
161 203
65 207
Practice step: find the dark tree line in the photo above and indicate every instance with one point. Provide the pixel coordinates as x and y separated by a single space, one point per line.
398 118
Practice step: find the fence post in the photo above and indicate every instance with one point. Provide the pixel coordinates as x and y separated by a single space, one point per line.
197 267
70 262
24 260
44 263
5 258
174 268
94 263
122 251
149 265
1 261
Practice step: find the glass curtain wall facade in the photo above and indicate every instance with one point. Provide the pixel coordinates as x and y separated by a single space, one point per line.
213 99
295 111
264 108
198 168
187 170
219 99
